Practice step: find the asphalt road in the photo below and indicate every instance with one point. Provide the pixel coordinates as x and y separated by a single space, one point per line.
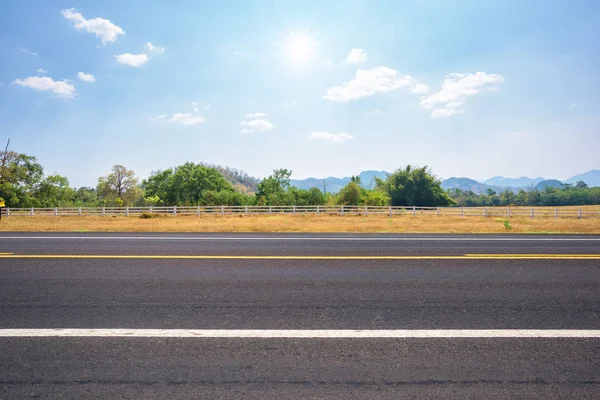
298 294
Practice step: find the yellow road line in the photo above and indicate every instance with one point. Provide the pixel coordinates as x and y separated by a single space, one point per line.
267 257
533 255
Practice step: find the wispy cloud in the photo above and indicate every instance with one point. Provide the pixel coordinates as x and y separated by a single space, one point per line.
255 115
133 60
421 88
41 71
64 88
331 137
26 51
368 82
82 76
150 48
187 119
256 125
356 56
455 90
105 30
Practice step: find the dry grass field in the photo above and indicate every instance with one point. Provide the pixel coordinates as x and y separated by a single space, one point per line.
302 223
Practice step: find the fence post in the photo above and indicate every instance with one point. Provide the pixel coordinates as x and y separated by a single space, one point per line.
7 211
294 210
508 212
532 212
174 210
55 211
103 211
342 210
556 213
462 212
318 210
366 210
198 210
222 210
127 211
391 211
32 211
414 211
150 209
79 211
438 210
579 214
269 209
485 212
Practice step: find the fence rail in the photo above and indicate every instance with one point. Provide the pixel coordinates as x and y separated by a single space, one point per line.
497 212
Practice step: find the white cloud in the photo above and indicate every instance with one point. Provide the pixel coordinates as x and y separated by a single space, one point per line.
356 56
187 119
256 125
572 106
62 88
41 71
255 115
162 116
450 100
421 88
206 107
133 60
445 112
101 27
367 83
153 49
331 137
27 51
82 76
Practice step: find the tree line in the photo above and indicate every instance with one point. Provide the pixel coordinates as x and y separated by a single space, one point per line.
569 195
24 184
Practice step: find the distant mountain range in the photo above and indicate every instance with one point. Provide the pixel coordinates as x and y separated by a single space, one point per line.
497 183
592 178
333 184
523 181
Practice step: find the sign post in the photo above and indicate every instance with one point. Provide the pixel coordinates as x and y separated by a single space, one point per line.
1 205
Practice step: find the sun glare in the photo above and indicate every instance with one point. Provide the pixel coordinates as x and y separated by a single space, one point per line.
300 48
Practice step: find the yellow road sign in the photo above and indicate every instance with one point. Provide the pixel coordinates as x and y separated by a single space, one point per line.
2 204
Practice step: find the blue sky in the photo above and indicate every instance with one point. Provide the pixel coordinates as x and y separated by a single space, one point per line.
324 88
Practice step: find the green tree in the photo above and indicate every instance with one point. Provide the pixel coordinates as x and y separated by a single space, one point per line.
374 198
273 189
581 185
54 191
302 197
186 184
20 175
85 197
350 194
414 186
119 188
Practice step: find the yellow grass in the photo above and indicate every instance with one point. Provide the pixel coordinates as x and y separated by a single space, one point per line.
301 223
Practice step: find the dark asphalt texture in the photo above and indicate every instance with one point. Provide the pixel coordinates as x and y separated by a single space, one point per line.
298 294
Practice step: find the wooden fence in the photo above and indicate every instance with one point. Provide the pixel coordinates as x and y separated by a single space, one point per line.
497 212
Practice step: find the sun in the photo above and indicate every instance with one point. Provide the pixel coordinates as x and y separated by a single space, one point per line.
299 48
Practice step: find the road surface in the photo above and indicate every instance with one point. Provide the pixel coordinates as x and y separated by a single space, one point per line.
299 316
